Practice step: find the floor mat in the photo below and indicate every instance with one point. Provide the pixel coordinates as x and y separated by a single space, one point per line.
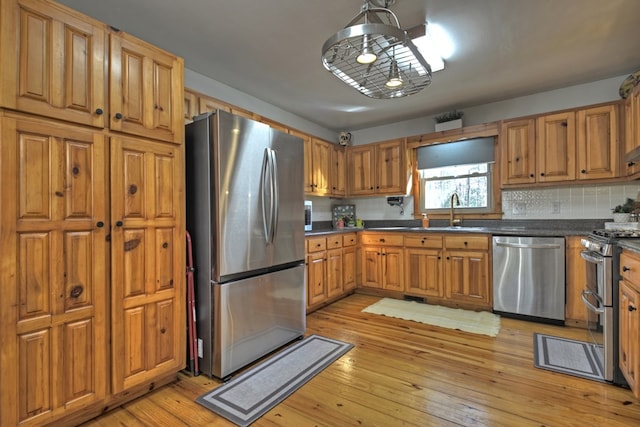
253 393
577 358
476 322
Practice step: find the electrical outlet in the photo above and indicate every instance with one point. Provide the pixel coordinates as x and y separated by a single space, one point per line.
200 349
519 208
555 207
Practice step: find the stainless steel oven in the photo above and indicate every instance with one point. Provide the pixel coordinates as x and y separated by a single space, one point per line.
600 297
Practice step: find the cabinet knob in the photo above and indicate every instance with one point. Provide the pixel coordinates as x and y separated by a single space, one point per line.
625 268
118 116
76 291
119 224
631 164
382 240
631 308
99 224
99 111
541 173
531 176
583 171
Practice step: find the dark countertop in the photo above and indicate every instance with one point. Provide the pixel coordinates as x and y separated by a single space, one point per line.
533 228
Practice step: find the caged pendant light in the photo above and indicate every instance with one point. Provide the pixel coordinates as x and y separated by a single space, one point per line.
375 56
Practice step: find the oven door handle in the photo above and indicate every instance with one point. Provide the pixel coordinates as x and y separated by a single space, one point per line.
588 256
588 303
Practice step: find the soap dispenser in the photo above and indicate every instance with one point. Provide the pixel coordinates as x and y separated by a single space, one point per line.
425 221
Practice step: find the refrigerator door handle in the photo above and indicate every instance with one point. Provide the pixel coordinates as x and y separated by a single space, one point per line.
263 184
275 195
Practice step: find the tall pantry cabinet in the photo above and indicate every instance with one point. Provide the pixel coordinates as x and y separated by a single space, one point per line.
91 215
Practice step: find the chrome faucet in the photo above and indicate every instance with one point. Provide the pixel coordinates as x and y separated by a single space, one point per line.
452 220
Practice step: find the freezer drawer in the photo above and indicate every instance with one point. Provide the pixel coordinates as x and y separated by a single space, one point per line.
529 276
252 317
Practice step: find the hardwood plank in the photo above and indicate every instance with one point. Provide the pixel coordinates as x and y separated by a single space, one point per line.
406 373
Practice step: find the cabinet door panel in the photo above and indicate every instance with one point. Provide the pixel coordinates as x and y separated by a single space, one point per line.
556 147
316 278
371 267
393 269
349 266
467 277
146 90
630 335
424 272
517 140
34 373
147 243
598 142
360 169
334 273
56 67
54 298
390 168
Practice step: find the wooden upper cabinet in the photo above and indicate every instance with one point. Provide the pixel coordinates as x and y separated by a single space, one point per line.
146 89
321 166
517 140
597 142
190 106
377 168
632 129
556 147
360 170
390 167
56 65
338 170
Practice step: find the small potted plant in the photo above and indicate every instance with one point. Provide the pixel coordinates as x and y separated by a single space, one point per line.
622 213
450 120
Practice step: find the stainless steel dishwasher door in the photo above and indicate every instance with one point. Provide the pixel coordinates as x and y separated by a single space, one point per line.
529 276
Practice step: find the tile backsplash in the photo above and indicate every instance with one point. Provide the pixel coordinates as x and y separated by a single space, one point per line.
577 202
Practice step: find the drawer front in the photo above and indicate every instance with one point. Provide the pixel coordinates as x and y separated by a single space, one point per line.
433 241
630 267
349 239
315 244
382 239
334 242
466 241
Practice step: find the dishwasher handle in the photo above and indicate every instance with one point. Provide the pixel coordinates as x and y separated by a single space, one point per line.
530 245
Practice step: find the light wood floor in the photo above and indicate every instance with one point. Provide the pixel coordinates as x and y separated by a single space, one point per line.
406 373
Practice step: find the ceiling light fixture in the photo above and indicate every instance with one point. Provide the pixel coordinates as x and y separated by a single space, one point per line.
375 56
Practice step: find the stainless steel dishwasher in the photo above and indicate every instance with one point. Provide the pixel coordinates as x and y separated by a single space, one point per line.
529 277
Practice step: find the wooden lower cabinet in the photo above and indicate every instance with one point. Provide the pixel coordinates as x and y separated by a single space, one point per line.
331 268
629 321
423 265
80 208
53 308
467 270
576 279
382 261
147 259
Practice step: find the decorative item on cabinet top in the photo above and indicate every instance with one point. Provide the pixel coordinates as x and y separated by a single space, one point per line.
344 213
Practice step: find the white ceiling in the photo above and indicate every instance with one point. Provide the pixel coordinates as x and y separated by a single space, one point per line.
271 49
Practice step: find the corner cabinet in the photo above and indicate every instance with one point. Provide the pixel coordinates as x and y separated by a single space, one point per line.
375 169
92 312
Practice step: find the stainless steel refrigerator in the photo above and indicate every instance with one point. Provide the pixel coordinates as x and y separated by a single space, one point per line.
245 214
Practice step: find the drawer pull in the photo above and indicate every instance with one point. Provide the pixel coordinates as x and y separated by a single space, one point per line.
625 268
631 308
